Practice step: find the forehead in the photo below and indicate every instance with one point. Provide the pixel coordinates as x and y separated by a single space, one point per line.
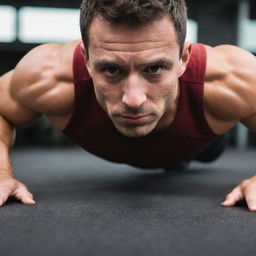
157 36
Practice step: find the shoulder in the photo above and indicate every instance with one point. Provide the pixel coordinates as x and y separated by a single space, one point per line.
230 83
224 61
43 78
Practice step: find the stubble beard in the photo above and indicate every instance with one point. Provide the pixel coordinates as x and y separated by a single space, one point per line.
135 131
132 130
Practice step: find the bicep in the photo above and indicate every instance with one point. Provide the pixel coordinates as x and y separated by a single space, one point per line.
10 109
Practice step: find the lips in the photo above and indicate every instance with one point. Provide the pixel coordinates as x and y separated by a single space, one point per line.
135 119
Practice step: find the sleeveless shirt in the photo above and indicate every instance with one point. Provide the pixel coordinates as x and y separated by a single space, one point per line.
189 133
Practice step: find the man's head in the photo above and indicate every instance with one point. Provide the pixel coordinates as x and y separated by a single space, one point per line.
135 66
134 13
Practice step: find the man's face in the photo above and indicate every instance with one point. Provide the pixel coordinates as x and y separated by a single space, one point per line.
135 72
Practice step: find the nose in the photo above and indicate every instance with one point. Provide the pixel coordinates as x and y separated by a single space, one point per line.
134 92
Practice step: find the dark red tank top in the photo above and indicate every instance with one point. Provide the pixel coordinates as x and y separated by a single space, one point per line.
189 133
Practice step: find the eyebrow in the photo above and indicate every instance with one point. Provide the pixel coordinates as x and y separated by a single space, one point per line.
108 63
162 61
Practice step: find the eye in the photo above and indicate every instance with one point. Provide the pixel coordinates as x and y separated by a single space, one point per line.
155 69
111 71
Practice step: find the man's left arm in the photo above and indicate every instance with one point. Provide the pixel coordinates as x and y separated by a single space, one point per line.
246 190
243 83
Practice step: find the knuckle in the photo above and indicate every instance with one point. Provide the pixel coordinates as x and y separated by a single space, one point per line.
245 183
20 186
248 185
228 195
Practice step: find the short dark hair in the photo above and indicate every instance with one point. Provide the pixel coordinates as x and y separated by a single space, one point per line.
134 12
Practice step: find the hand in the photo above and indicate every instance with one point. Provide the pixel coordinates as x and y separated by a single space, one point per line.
9 186
245 190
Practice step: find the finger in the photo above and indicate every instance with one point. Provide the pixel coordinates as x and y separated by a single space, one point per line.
27 200
233 197
4 195
3 198
250 197
24 195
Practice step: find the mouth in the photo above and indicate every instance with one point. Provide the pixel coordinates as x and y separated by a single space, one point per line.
135 119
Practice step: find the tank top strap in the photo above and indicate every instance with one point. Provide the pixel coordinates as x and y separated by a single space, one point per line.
192 92
79 69
195 72
83 91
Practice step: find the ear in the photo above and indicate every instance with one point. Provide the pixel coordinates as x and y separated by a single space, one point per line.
86 59
185 58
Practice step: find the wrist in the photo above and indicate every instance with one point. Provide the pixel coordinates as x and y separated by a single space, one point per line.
6 173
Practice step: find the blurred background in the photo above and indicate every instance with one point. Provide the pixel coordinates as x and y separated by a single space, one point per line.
26 24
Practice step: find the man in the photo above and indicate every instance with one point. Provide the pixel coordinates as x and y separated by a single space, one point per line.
132 91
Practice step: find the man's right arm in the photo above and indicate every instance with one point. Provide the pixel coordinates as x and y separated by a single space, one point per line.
11 113
25 93
41 83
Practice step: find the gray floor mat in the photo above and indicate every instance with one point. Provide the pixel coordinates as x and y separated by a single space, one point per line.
86 206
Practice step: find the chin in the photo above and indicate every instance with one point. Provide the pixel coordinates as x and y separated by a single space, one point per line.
135 132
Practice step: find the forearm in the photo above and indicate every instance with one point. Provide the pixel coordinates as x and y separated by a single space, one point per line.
7 138
9 185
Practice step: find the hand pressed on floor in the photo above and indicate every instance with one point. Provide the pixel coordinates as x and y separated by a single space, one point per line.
10 187
245 190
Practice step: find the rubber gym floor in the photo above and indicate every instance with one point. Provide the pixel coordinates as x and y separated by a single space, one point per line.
87 206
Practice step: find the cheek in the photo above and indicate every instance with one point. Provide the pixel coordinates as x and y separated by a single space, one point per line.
168 82
106 94
162 93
